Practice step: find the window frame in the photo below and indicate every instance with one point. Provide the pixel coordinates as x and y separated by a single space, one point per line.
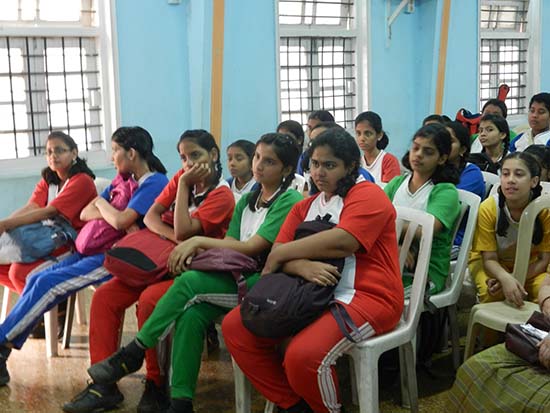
110 91
533 65
357 31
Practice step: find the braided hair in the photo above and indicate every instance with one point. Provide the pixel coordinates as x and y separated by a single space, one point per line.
534 168
206 141
344 147
287 150
79 165
137 138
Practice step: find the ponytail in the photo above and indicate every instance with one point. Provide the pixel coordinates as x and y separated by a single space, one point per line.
155 163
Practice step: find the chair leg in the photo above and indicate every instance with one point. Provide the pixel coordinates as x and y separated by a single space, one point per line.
406 352
71 302
50 326
81 318
366 377
242 390
353 382
455 335
269 407
473 332
5 304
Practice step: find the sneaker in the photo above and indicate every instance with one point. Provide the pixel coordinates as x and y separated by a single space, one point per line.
126 360
154 398
4 373
95 398
181 406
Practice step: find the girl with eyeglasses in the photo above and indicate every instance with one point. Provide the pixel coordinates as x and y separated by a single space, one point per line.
66 187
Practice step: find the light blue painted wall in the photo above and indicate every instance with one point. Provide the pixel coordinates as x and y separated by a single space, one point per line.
250 91
545 47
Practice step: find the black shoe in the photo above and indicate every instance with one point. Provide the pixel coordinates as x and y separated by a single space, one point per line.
180 406
154 398
300 407
95 398
212 340
4 373
126 360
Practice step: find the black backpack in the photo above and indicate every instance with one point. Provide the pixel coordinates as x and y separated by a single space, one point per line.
280 305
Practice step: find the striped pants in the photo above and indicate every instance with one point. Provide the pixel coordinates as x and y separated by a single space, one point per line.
305 371
194 300
45 289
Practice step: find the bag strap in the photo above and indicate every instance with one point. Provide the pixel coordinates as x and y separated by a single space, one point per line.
241 285
345 323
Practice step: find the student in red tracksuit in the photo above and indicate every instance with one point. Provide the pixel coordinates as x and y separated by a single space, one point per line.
66 187
369 286
204 205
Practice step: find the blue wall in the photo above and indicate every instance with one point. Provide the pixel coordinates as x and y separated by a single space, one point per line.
164 59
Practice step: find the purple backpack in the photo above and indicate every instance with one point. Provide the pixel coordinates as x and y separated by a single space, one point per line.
98 235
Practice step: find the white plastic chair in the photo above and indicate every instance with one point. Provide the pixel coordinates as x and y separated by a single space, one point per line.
496 315
366 353
447 299
298 183
490 180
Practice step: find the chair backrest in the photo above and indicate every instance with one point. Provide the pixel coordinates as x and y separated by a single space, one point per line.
101 184
490 180
298 183
525 236
408 222
469 204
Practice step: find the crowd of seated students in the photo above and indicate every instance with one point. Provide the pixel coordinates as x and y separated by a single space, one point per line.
255 212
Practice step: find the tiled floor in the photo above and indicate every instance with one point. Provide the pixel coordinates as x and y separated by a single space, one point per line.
40 384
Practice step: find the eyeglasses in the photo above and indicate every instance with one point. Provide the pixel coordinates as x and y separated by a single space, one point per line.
57 151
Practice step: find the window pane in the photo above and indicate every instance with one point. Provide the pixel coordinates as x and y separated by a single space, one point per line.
9 10
307 12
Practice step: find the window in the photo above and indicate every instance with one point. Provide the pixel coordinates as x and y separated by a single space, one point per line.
317 57
506 51
53 75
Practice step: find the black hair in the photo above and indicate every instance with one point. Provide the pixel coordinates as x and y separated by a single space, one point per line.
533 167
541 152
502 126
433 118
246 146
375 122
287 150
463 136
206 141
543 98
79 165
499 103
325 125
137 138
442 140
322 115
294 128
328 124
344 147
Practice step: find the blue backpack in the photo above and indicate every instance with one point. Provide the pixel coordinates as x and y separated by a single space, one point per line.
40 239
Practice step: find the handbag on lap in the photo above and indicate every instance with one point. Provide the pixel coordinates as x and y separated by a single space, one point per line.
520 341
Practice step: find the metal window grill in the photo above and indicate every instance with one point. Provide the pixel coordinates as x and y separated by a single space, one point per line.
318 73
504 51
316 12
48 84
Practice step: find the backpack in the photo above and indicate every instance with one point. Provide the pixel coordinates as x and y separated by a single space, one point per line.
140 258
280 305
98 235
31 242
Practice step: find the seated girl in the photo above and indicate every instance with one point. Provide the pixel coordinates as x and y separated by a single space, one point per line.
372 140
66 187
197 298
132 153
239 162
430 187
304 378
494 246
494 136
202 204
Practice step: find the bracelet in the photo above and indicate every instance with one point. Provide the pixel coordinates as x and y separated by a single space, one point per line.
543 301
